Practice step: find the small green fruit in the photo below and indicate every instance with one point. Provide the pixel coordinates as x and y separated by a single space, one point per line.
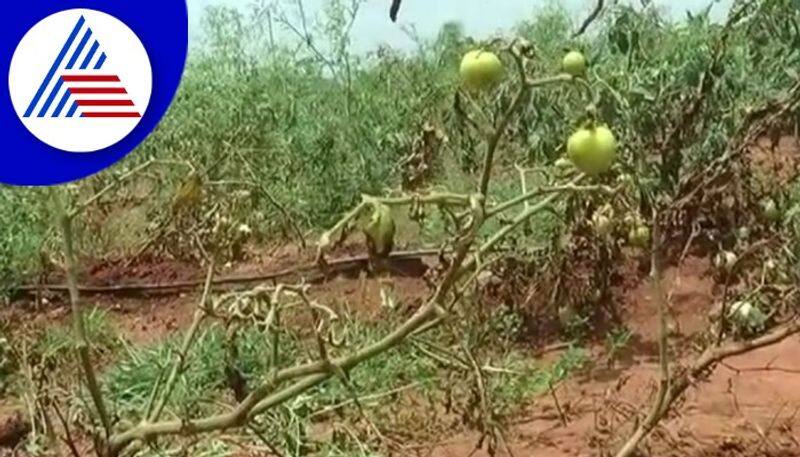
380 230
480 69
743 233
574 63
639 236
592 150
602 225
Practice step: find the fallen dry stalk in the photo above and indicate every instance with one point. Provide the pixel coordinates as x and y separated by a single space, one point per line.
701 366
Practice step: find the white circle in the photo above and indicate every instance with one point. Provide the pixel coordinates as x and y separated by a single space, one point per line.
106 107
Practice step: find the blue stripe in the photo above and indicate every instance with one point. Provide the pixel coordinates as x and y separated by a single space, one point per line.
61 104
55 66
100 61
73 109
89 56
51 97
79 50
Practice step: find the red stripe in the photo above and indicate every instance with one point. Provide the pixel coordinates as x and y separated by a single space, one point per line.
118 114
98 90
90 78
104 103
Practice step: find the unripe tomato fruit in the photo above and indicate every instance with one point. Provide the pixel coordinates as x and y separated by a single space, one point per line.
380 231
480 69
574 63
639 236
602 225
592 150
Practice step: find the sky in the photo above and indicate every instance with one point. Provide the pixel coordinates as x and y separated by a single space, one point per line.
480 18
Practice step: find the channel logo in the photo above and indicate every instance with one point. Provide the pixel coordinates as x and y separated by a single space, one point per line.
80 80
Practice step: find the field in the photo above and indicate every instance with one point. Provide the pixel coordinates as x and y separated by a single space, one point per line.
329 254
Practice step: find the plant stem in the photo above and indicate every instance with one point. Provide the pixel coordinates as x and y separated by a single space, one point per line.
658 408
188 340
65 219
524 198
494 139
701 366
88 202
519 220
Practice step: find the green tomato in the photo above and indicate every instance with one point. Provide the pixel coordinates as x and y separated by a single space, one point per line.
639 236
592 150
602 225
574 63
380 231
480 69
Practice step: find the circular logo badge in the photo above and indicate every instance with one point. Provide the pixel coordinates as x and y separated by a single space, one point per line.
88 81
80 80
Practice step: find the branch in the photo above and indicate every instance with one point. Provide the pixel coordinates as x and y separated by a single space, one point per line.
494 210
494 139
516 222
180 361
707 361
395 8
258 400
117 181
661 298
314 373
65 219
588 21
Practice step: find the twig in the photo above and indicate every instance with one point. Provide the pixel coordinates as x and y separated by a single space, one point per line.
757 369
657 409
711 357
65 219
375 396
558 405
395 8
525 197
598 8
67 439
494 139
189 338
88 202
